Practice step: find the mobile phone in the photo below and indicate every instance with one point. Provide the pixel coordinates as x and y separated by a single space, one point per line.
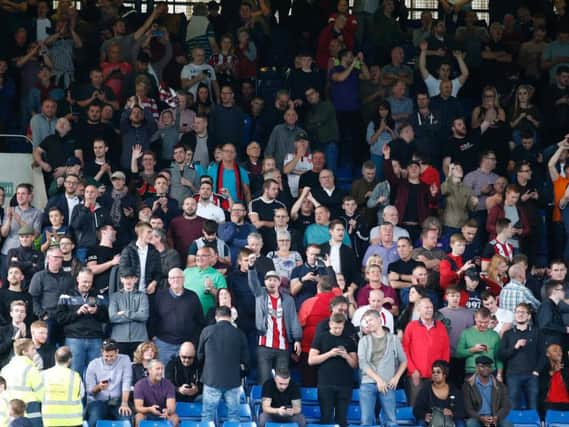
105 381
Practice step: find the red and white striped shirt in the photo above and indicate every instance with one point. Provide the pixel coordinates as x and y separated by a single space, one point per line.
276 330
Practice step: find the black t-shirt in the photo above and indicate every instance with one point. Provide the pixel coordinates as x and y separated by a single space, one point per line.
280 398
58 149
334 371
308 179
67 266
403 267
265 210
465 150
101 255
349 332
411 210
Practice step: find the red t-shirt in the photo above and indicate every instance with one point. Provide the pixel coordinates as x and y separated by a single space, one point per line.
557 390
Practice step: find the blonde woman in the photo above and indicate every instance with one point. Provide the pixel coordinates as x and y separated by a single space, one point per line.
496 275
490 106
524 116
144 353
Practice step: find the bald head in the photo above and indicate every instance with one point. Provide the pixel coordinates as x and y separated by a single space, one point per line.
187 353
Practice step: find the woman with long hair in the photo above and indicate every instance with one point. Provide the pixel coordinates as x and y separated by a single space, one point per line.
224 298
496 275
380 131
411 312
144 353
524 116
203 104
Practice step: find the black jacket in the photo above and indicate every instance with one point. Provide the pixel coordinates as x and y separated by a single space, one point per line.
59 201
46 288
85 224
29 260
333 202
176 319
348 263
426 401
223 349
179 374
551 324
526 359
81 325
130 260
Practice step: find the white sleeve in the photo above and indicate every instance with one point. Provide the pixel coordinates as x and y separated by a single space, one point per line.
432 86
456 85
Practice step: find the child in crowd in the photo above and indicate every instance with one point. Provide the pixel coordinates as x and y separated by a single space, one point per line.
51 234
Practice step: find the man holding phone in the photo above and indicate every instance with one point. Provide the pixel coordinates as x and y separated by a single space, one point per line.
108 381
281 400
183 372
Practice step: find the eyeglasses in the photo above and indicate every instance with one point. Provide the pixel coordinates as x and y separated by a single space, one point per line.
521 312
187 357
176 277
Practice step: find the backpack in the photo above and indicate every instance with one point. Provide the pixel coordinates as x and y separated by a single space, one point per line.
440 419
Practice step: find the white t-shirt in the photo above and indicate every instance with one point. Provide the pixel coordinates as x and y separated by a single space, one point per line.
303 165
386 316
192 70
433 86
211 211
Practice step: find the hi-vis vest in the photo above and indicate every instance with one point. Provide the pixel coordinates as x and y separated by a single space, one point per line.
23 381
3 410
61 404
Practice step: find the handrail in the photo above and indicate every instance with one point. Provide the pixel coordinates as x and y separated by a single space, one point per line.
15 135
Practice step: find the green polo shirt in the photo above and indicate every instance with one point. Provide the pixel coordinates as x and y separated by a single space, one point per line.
194 280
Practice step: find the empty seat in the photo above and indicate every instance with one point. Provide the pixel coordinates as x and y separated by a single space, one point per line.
240 424
197 424
354 414
148 423
311 413
309 395
400 397
404 416
189 411
356 395
553 419
526 418
113 423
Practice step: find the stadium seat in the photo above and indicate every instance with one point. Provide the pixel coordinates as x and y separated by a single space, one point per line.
281 425
311 413
148 423
553 419
197 424
189 411
255 398
404 416
354 414
356 395
528 418
244 412
242 395
243 424
113 423
309 395
322 425
400 397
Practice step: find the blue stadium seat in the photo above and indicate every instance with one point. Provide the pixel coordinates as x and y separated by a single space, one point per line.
148 423
553 419
255 398
404 416
242 395
311 413
354 414
189 411
309 395
113 423
197 424
527 418
281 425
322 425
356 395
243 424
244 412
400 397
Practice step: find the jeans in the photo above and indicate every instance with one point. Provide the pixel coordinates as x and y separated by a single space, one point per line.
102 410
84 350
526 384
167 350
334 402
211 397
368 397
475 422
267 359
265 418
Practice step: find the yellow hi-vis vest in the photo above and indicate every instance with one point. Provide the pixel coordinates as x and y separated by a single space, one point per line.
4 410
61 404
23 381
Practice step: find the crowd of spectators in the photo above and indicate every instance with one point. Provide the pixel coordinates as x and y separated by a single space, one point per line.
322 191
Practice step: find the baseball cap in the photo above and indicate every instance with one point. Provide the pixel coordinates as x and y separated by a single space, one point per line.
26 230
272 273
118 175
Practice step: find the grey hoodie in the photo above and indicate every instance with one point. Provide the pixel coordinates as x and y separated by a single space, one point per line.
389 363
